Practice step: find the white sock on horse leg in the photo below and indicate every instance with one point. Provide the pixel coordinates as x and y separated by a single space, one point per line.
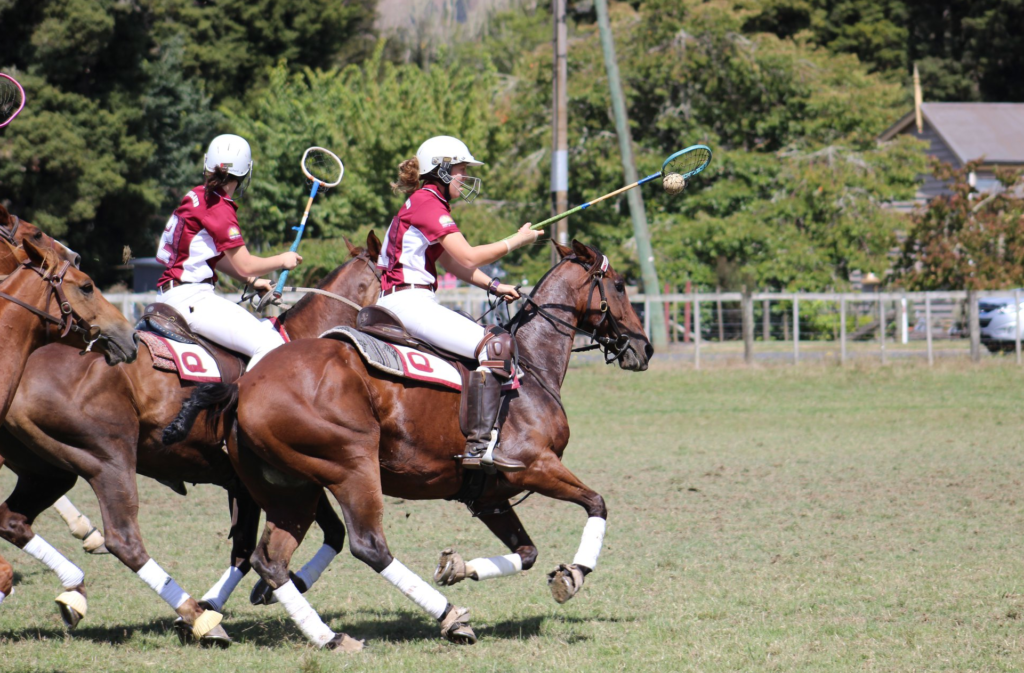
163 584
303 614
220 592
311 572
77 522
418 591
495 566
590 545
70 575
3 596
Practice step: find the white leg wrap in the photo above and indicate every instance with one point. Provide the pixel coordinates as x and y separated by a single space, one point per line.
219 593
3 596
495 566
77 522
418 591
311 572
70 575
162 583
303 614
590 545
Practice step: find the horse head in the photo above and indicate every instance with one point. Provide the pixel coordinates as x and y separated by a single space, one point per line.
604 310
16 231
79 305
362 283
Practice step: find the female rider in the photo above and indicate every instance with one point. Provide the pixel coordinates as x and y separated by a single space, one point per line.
424 233
203 235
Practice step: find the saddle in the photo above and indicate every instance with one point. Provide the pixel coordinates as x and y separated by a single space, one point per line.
380 322
162 320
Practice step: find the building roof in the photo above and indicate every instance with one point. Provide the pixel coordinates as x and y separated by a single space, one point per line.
994 131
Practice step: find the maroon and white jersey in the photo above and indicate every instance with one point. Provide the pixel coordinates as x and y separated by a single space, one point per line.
196 237
412 244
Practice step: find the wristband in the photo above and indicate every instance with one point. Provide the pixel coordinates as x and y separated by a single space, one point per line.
492 287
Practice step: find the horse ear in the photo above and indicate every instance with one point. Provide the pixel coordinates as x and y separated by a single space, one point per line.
35 254
352 250
5 217
373 245
563 251
583 253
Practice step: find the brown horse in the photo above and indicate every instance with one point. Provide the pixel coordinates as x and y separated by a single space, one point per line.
49 442
364 434
36 283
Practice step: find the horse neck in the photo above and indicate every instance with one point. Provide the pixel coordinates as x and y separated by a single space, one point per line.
21 331
545 344
314 314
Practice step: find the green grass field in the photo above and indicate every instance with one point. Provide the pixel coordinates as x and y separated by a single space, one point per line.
781 518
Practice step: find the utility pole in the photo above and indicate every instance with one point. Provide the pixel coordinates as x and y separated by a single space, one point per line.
634 196
560 129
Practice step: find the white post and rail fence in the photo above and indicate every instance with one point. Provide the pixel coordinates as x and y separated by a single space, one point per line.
775 325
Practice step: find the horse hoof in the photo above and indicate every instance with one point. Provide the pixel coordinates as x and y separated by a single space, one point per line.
262 594
72 606
455 627
184 631
344 643
451 569
217 637
94 543
565 582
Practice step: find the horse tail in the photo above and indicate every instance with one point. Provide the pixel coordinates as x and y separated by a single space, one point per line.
219 400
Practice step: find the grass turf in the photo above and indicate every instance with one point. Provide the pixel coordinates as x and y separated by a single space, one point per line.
811 519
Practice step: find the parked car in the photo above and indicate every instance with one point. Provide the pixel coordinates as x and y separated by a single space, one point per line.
998 320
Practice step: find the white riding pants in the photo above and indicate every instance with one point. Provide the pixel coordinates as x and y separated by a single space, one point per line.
222 321
429 321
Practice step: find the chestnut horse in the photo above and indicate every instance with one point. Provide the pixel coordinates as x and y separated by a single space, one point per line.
15 231
34 284
49 442
314 411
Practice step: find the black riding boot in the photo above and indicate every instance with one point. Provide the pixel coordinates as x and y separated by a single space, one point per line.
481 402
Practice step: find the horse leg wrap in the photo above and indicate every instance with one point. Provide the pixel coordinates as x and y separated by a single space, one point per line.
495 566
311 572
455 627
70 575
3 596
418 591
163 584
94 543
206 622
303 614
219 593
77 522
590 545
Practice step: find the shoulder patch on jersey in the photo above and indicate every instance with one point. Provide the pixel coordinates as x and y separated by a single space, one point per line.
234 232
446 221
408 204
195 198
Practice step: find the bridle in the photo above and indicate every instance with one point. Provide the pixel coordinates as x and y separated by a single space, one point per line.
615 344
70 320
8 233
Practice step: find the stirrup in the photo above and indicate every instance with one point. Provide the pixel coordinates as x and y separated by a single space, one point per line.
486 461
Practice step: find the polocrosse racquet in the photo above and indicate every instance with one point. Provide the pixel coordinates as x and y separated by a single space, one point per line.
324 170
675 170
12 99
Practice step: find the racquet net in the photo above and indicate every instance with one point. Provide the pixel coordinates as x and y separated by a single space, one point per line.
12 99
688 162
323 166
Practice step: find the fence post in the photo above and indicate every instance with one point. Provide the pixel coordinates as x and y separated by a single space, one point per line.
766 320
881 325
975 326
687 311
842 329
696 333
1016 330
647 315
721 320
928 327
747 303
796 329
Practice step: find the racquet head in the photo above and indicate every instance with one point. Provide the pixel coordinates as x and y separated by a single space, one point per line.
12 99
688 162
322 166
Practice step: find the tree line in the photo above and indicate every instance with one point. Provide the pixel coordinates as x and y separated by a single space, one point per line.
790 94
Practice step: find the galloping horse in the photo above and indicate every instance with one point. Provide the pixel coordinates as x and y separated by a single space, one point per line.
313 414
27 295
106 428
15 231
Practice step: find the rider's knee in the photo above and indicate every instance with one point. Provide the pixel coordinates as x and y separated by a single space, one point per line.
497 351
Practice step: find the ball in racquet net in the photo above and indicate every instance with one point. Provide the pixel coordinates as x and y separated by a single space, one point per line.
323 166
12 99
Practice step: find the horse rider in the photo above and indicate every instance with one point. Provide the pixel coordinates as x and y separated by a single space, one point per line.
422 234
203 236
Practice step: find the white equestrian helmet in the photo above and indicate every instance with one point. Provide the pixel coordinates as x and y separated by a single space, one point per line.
443 152
232 153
